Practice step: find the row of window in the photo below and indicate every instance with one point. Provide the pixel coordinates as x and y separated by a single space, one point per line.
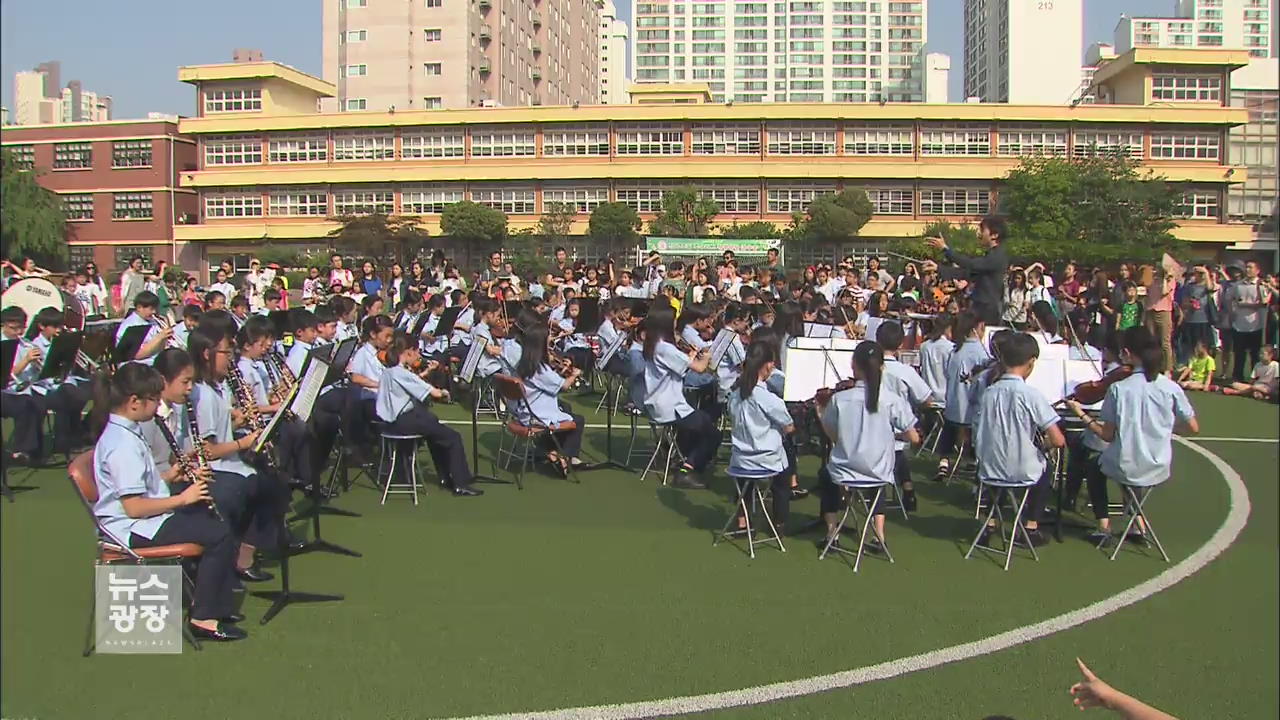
634 139
124 206
79 155
644 196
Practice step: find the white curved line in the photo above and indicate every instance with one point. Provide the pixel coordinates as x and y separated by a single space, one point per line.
1226 534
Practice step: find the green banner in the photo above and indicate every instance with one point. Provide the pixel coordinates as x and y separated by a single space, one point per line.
711 246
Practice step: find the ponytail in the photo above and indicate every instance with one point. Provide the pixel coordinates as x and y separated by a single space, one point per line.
964 324
758 355
868 359
1151 357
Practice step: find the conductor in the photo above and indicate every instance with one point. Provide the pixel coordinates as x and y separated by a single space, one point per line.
986 272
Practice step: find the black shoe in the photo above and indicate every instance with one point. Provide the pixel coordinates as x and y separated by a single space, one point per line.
799 493
1098 537
1138 537
874 546
909 501
1038 539
233 618
984 540
253 573
467 491
822 544
685 479
226 632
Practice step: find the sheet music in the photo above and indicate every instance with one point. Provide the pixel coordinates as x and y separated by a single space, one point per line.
269 432
308 388
611 351
809 369
720 345
472 361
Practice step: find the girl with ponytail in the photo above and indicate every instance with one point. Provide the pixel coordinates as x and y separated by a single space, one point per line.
761 423
967 360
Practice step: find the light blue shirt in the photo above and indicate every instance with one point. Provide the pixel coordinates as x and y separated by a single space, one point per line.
863 452
181 334
440 344
213 417
728 371
664 383
757 434
346 331
462 326
935 355
255 376
123 467
488 364
557 314
365 362
398 390
607 334
1143 414
574 339
903 380
541 391
30 374
1010 416
969 356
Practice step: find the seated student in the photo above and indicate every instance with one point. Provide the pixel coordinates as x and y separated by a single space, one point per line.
239 309
215 300
1262 384
737 318
935 354
488 314
1198 374
573 343
902 380
66 397
345 310
1044 325
1008 420
542 386
968 358
863 424
309 331
401 402
155 340
556 301
371 305
366 372
1083 465
190 321
433 345
617 319
135 507
691 326
270 301
761 424
292 442
21 402
459 341
410 310
665 368
326 325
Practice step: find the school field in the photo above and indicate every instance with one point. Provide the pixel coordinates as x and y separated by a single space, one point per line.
607 600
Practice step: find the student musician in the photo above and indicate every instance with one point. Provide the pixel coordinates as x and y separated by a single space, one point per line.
935 355
239 308
21 402
412 308
459 342
665 368
270 301
1083 466
573 343
489 314
1139 416
863 424
434 346
1007 423
267 499
617 320
190 321
136 508
966 361
66 397
542 386
902 380
737 318
761 424
155 340
309 331
292 443
366 372
346 310
401 402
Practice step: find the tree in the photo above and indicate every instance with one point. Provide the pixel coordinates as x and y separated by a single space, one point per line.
474 223
522 249
1100 209
961 238
384 237
614 223
557 221
755 230
685 213
835 218
32 222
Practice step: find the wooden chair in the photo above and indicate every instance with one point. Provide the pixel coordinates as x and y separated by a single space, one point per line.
511 390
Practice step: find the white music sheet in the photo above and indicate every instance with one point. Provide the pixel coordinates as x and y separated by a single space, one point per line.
809 369
720 346
308 388
472 361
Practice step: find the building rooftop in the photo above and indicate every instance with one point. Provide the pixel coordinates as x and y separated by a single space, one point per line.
1204 57
256 70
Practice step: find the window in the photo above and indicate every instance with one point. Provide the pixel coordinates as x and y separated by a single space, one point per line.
570 140
1015 140
363 145
72 155
733 198
433 69
125 253
802 139
1198 204
434 143
232 150
510 200
955 140
233 100
357 103
131 153
78 207
497 141
643 196
429 200
299 202
232 204
297 148
879 140
357 3
350 201
23 156
355 70
955 202
80 255
431 35
1089 142
132 206
726 140
795 197
643 139
1197 88
1185 145
891 201
435 3
432 103
583 198
357 35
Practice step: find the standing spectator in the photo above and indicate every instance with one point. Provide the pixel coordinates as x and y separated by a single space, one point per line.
1198 310
371 284
396 285
339 275
909 280
221 284
229 268
1130 313
101 294
1017 301
887 282
191 292
489 276
255 284
132 282
1158 312
1248 302
312 287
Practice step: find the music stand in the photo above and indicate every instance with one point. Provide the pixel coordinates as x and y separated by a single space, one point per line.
608 355
444 328
130 343
588 315
467 374
61 358
334 357
8 356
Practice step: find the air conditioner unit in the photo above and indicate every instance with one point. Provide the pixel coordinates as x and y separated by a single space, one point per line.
490 103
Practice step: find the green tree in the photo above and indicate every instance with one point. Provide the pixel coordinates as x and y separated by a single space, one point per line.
684 213
1099 209
834 218
961 238
556 222
32 222
384 237
522 249
474 223
614 223
755 230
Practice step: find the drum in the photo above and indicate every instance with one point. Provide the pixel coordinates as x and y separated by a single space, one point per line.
36 294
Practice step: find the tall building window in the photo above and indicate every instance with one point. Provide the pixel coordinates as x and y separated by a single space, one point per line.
646 139
355 70
356 36
364 145
1186 87
1087 142
371 201
433 69
955 139
510 141
22 156
1198 204
891 201
508 199
795 196
726 139
298 202
233 100
432 143
432 103
131 206
435 3
1185 145
583 198
955 201
232 150
429 199
78 206
1016 140
432 34
357 104
72 156
297 148
232 204
571 140
802 139
131 153
357 3
879 140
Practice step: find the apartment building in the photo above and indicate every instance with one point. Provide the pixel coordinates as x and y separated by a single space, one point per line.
614 46
40 99
1024 52
1248 24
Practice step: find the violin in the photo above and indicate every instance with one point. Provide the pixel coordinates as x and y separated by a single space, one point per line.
1094 391
823 396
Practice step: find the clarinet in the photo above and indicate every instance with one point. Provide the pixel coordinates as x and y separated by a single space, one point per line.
249 405
202 460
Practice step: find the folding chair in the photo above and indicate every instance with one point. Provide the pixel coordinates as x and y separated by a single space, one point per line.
749 488
634 414
394 442
511 390
111 551
1135 499
932 411
486 398
1001 489
855 497
664 436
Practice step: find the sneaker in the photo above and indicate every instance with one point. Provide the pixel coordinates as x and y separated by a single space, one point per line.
822 543
1098 537
685 479
944 469
799 493
1038 539
874 546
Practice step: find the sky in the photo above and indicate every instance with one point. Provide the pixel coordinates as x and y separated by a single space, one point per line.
131 49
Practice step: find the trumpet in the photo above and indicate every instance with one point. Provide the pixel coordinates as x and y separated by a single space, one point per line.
197 442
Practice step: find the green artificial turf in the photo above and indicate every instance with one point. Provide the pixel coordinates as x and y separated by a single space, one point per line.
610 591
